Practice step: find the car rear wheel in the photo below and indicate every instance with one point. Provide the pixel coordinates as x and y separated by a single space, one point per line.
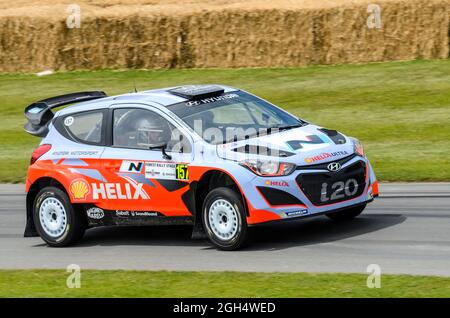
346 214
56 220
224 219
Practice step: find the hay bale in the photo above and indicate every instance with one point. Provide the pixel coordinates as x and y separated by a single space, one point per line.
235 36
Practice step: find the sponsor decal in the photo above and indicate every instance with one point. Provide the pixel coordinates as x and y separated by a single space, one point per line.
68 121
296 213
276 183
211 99
131 166
95 213
79 189
325 155
75 153
169 171
193 103
113 191
124 213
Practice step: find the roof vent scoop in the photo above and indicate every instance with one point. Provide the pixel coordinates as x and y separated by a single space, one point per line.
193 92
39 114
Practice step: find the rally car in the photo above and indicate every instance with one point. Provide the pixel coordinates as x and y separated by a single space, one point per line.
216 157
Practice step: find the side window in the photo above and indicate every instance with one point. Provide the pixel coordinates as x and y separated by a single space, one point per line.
140 128
86 127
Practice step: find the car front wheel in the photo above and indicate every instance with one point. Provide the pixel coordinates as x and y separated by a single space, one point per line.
224 219
346 214
56 220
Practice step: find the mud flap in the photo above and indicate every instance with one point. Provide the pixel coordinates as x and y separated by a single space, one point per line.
198 232
30 229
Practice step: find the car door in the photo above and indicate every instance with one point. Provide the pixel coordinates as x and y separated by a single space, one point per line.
139 177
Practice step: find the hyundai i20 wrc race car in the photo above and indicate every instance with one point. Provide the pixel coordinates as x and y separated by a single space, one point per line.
212 156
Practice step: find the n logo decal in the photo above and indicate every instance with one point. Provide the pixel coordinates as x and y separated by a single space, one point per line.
137 167
131 166
298 144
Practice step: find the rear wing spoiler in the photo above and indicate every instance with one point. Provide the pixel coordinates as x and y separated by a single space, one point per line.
40 114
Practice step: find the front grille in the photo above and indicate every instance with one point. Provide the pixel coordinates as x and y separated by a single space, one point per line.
332 187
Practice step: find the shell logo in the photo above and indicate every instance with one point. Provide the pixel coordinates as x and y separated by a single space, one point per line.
79 189
308 160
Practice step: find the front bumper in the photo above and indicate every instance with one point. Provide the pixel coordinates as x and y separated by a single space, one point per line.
282 220
304 194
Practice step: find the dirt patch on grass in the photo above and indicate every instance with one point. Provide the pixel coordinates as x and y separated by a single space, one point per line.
206 33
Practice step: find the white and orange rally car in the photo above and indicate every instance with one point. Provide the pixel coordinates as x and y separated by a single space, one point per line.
212 156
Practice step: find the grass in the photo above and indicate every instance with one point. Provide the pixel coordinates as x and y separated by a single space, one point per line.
399 110
95 283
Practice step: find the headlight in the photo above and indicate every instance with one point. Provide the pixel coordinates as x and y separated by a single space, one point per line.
268 168
357 147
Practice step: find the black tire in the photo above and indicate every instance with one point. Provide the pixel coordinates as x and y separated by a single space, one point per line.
75 221
346 214
238 239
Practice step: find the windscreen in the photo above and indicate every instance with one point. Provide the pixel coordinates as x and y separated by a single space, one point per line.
233 116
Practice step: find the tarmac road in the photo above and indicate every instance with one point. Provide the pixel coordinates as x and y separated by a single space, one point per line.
406 231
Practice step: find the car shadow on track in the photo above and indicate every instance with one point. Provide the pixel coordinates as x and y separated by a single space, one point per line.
274 236
175 235
318 230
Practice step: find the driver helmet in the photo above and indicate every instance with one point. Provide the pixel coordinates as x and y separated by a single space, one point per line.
151 130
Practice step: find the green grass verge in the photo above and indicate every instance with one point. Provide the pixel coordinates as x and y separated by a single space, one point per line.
400 110
94 283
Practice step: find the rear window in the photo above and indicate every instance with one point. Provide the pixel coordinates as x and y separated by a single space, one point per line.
86 127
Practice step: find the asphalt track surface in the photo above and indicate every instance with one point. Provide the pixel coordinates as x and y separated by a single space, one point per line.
407 230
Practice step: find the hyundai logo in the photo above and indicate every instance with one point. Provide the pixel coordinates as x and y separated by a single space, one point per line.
334 166
193 103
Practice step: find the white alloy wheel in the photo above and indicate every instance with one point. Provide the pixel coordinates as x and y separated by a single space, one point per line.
53 217
223 219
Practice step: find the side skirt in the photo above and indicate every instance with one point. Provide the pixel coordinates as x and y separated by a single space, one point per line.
100 217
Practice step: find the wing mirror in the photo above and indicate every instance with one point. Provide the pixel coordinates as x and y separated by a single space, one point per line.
162 146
